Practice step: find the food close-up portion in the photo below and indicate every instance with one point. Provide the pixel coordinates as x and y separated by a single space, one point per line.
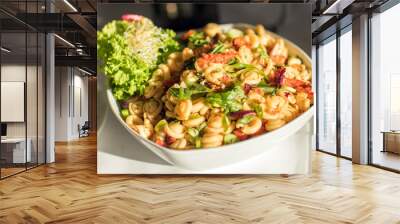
205 88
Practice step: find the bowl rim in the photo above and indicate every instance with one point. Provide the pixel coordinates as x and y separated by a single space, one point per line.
305 115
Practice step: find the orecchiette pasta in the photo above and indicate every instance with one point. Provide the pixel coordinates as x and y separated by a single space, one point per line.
252 127
214 74
215 124
136 107
253 40
303 101
152 107
189 77
212 29
274 124
223 86
291 112
163 73
155 90
175 62
274 105
194 121
175 130
183 109
212 140
250 78
179 144
134 119
199 106
279 53
187 53
256 96
245 54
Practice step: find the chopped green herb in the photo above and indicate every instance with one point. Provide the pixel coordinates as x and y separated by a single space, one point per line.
193 132
124 113
202 126
259 111
239 66
267 88
219 47
245 120
229 100
197 143
230 138
226 122
263 52
233 61
198 39
160 125
186 93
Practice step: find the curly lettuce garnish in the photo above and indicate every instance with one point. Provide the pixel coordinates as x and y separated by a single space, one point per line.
130 51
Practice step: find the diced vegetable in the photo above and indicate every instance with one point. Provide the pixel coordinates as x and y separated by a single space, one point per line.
241 136
267 88
259 111
219 47
124 113
239 114
197 143
160 126
230 138
197 39
263 52
193 132
245 120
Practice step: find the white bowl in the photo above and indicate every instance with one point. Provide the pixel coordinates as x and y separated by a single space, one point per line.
208 158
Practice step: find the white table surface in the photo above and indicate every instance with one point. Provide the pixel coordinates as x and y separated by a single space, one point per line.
13 140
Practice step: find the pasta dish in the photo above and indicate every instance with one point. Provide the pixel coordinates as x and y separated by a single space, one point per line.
210 87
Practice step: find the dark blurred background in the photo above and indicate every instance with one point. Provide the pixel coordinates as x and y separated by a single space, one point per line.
290 20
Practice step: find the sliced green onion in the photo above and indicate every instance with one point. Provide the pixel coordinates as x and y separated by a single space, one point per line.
160 125
124 113
230 138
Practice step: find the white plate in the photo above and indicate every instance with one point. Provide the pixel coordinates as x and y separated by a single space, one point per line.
208 158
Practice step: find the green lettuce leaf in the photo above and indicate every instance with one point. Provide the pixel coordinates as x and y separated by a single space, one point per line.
127 60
